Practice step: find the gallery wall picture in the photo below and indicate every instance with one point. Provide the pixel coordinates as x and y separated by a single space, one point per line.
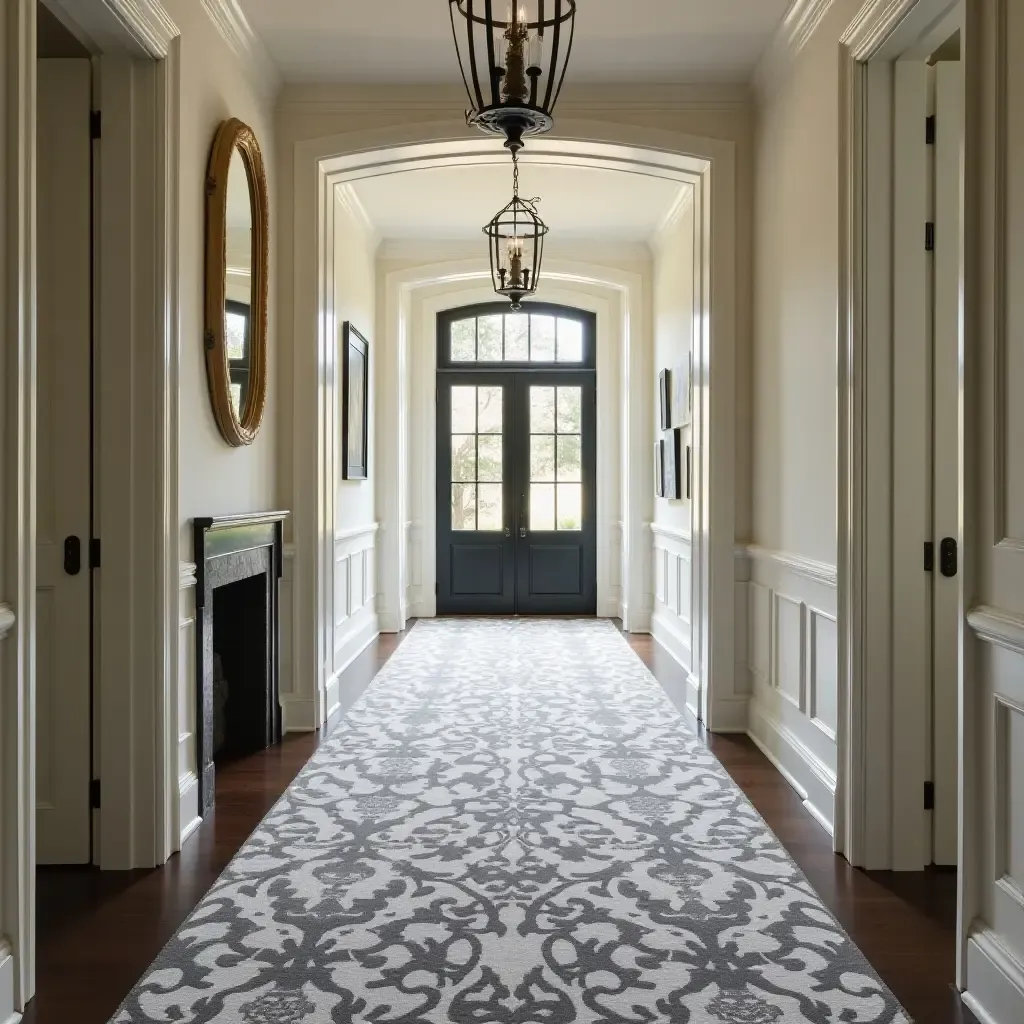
659 468
689 479
681 391
355 359
664 400
672 460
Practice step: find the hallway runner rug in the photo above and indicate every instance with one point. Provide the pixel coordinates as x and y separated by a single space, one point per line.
513 825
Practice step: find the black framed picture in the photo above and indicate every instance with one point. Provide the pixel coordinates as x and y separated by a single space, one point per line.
355 403
659 468
689 478
672 459
664 400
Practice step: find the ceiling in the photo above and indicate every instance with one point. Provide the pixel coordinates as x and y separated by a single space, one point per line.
403 41
579 203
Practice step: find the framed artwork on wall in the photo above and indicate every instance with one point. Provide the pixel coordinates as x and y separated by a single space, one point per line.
689 479
659 468
681 391
355 403
664 399
673 439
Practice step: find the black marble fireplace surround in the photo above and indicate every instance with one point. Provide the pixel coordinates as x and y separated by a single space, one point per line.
238 568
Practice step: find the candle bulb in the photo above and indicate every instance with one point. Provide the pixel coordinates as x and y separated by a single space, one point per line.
517 35
515 255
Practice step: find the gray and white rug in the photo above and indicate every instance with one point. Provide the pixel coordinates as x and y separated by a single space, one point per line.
512 826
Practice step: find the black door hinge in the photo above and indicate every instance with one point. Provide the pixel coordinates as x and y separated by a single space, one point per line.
94 553
94 794
929 556
929 796
95 124
929 237
929 130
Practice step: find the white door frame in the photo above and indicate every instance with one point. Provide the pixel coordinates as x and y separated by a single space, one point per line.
322 164
874 780
139 521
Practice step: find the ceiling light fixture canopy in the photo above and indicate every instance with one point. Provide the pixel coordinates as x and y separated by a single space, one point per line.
513 68
516 236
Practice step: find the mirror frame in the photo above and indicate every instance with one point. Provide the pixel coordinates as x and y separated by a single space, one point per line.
236 430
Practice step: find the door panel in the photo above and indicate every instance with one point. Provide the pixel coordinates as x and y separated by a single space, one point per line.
475 563
63 530
556 475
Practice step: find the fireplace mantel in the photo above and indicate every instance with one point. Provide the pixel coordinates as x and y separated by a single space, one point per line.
229 549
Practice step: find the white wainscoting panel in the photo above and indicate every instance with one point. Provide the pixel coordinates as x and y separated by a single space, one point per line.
188 781
671 621
791 652
356 622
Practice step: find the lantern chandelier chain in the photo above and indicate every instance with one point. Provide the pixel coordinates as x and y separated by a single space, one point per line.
515 182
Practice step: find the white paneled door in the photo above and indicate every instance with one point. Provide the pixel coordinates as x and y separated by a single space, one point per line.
63 438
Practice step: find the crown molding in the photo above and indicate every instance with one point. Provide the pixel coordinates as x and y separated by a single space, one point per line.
346 98
233 26
794 32
349 199
673 215
143 25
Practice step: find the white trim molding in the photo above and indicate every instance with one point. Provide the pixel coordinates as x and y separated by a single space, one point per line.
187 575
7 1012
808 568
7 619
994 970
233 27
998 626
143 27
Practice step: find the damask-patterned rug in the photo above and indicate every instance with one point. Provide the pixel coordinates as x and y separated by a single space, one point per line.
512 826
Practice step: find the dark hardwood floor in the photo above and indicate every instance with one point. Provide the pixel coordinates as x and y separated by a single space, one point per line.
99 931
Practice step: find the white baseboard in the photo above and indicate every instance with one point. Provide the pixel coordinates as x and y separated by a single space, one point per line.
671 632
7 1014
188 806
995 979
731 715
693 694
298 715
364 629
805 772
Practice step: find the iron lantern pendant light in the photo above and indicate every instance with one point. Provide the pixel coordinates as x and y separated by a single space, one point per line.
516 236
513 68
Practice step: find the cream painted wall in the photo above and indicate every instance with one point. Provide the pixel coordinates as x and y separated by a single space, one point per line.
673 339
215 479
719 112
355 301
673 295
796 275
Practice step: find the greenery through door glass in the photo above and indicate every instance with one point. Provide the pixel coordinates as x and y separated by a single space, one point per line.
556 458
517 338
477 458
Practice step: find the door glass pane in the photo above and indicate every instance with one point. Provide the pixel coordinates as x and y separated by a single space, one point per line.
570 461
570 407
489 470
517 338
489 345
464 341
542 506
542 410
463 506
542 457
570 506
490 517
490 410
463 458
570 341
463 410
542 339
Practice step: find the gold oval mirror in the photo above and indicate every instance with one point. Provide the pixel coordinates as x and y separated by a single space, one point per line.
236 282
